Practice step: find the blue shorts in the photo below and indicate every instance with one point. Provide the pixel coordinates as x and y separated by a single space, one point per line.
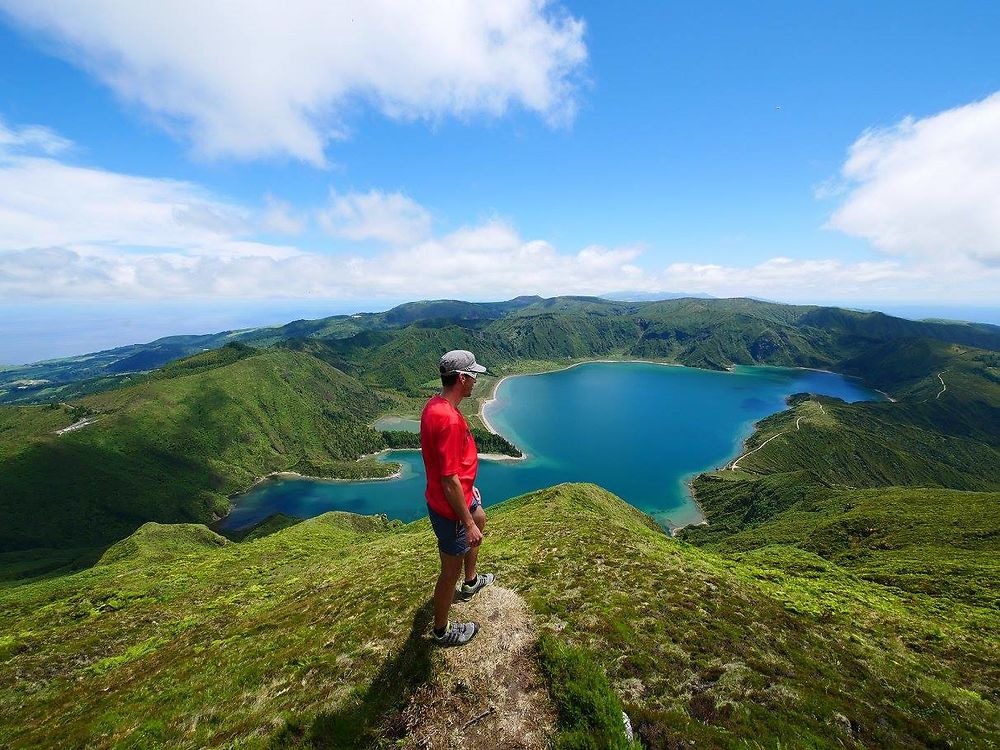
451 535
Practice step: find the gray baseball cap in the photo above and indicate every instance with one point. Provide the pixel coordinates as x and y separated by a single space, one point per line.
459 360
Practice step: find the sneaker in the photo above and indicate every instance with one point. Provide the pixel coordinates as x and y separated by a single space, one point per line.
482 580
457 634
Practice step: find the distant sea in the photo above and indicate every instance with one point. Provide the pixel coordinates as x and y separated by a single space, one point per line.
35 331
640 430
971 313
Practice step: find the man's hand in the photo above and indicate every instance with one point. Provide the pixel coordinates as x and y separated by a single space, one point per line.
472 534
455 496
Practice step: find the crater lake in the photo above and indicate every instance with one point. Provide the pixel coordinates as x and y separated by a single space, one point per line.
641 430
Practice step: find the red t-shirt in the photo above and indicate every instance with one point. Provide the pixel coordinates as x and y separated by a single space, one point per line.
448 448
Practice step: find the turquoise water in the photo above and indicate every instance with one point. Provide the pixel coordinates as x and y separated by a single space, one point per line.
640 430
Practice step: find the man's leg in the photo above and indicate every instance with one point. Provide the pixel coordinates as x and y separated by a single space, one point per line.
444 591
479 516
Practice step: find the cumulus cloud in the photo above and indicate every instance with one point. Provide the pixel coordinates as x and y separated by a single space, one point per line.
798 279
75 232
258 79
392 218
927 188
475 262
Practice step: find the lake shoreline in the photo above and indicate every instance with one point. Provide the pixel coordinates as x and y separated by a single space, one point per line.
289 474
694 499
693 515
671 529
692 496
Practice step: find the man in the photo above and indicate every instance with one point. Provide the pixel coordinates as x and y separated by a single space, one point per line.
453 502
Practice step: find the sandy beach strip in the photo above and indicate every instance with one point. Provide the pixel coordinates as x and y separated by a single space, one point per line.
487 402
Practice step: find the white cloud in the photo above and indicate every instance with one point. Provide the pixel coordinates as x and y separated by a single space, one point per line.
928 188
73 232
44 202
259 79
489 260
281 218
392 218
30 138
801 280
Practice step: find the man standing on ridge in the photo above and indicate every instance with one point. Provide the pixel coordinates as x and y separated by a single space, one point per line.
453 502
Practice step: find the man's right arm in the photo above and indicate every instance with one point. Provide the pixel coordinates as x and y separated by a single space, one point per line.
455 496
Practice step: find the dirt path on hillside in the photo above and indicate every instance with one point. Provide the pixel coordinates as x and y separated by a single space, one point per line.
943 386
736 464
489 694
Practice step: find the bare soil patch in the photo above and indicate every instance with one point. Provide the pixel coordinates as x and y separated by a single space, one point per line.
490 693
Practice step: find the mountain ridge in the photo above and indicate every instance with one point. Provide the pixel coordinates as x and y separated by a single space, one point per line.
658 322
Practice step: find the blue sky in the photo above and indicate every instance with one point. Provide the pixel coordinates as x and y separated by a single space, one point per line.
344 157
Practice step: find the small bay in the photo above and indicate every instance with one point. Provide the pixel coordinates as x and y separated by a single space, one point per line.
640 430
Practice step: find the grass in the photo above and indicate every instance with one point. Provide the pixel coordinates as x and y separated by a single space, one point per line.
590 714
171 445
249 643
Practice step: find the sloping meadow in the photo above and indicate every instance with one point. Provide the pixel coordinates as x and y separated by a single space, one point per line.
179 638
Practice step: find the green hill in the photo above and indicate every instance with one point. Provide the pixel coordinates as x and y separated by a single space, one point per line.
173 447
60 378
171 444
254 643
903 493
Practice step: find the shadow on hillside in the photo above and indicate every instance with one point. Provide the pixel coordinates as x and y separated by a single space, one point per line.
93 489
371 715
20 567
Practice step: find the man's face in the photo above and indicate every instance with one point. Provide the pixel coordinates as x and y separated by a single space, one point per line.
468 383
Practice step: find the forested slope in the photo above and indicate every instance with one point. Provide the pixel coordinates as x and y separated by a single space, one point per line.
172 443
173 447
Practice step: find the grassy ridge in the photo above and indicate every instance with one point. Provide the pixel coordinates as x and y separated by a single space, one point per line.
878 443
846 592
106 369
927 540
231 643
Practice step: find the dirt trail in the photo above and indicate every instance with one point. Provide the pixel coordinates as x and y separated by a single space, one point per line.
736 464
943 386
77 425
489 694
